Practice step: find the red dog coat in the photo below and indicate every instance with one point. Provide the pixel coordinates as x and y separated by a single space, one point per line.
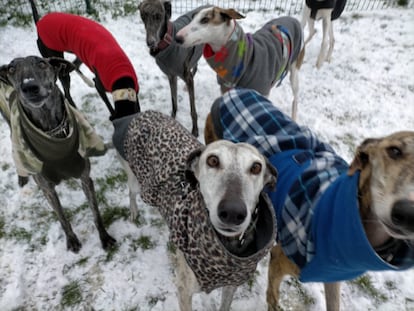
91 42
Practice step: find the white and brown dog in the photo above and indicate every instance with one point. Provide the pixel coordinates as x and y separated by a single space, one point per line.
257 61
220 221
366 208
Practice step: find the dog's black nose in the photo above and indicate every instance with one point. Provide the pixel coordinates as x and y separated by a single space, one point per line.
30 88
179 39
402 215
232 212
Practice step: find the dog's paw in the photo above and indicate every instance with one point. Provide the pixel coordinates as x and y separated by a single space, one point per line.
73 244
108 242
22 180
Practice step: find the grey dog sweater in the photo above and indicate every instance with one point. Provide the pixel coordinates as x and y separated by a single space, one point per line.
156 148
260 60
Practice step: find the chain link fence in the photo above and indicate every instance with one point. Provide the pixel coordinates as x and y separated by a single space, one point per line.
18 12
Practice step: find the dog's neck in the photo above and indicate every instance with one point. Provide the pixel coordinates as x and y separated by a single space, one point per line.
50 115
165 38
219 40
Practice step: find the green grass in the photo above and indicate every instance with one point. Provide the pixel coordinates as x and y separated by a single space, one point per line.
71 294
144 242
303 295
364 283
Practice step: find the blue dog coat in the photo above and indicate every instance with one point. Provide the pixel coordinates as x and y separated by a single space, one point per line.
316 202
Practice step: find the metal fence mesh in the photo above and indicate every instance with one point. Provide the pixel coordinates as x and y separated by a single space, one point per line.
19 12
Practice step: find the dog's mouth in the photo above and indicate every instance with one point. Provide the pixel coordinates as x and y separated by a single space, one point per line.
397 232
230 232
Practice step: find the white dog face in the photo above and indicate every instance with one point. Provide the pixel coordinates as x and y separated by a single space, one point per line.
211 25
231 178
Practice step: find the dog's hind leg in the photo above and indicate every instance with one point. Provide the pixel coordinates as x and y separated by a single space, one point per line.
294 84
326 25
49 191
312 31
279 266
227 293
332 296
133 187
89 190
331 43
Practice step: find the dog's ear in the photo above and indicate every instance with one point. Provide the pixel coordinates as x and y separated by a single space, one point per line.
191 163
61 65
228 14
270 176
361 158
167 8
3 74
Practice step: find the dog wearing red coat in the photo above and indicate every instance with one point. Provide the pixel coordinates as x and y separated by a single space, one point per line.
97 49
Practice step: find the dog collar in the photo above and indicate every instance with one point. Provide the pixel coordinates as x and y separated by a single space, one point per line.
166 40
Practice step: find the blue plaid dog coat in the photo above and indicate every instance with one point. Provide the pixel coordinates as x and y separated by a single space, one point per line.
316 202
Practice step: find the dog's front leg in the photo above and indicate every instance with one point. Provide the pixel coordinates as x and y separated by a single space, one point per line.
48 189
186 282
332 296
89 190
227 293
172 80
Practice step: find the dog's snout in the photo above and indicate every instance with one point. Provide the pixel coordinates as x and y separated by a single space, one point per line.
179 39
402 214
30 88
232 212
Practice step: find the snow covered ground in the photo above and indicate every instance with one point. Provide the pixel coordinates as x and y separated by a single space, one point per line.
367 91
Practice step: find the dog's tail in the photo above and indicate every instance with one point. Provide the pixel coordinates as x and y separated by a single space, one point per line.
35 12
301 57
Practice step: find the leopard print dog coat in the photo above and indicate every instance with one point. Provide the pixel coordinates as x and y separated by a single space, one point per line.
156 148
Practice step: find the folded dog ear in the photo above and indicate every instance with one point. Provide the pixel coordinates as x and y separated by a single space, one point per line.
191 164
229 14
270 176
361 158
61 65
3 74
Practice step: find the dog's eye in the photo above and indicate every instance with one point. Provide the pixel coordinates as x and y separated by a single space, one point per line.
11 69
213 161
394 152
204 20
42 65
256 168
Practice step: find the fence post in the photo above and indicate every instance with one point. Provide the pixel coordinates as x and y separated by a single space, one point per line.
89 8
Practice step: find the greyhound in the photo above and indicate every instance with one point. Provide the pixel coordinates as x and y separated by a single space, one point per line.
220 221
257 61
174 60
328 11
93 45
51 139
366 208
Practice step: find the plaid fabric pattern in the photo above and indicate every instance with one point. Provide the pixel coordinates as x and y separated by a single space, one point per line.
246 116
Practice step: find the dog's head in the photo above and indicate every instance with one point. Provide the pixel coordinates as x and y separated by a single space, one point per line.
155 15
211 25
387 170
34 78
231 177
